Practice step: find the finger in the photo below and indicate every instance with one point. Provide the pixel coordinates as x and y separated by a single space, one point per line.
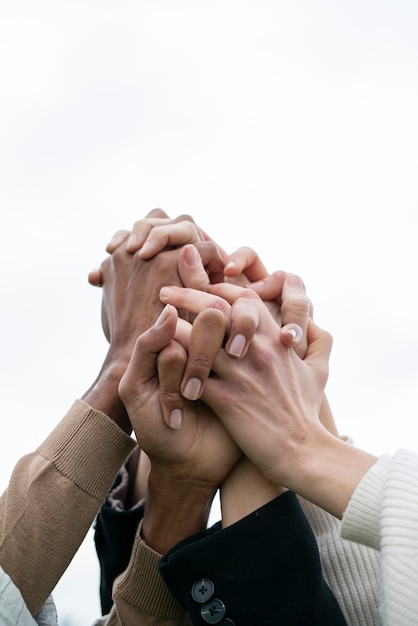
245 260
245 320
296 308
143 364
206 340
95 277
291 335
158 213
118 238
140 231
193 301
271 286
213 259
171 363
318 352
168 236
191 269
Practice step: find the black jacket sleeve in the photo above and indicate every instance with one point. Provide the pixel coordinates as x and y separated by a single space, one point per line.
115 530
262 571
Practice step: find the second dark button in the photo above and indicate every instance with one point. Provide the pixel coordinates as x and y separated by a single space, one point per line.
213 611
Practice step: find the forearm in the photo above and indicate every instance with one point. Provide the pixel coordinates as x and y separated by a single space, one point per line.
244 491
328 472
53 496
103 395
173 511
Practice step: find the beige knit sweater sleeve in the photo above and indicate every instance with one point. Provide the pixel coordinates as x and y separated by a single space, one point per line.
53 496
140 594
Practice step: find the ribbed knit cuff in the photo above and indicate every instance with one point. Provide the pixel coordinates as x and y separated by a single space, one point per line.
361 520
142 585
88 448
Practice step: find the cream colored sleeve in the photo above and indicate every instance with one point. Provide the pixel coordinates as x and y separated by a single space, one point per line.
351 570
383 512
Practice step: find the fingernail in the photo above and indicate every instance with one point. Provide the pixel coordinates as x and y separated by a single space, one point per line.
162 316
176 419
237 345
292 332
165 292
295 281
115 241
258 285
230 265
191 255
132 241
145 249
192 389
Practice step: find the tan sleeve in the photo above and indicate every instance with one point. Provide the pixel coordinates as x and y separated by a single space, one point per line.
53 496
140 594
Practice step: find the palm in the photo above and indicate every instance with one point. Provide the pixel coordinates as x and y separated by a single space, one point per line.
201 450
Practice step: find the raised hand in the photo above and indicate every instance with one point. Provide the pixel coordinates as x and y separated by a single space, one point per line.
188 463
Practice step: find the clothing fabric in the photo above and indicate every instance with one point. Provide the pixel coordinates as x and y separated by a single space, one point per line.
53 496
264 570
114 541
383 514
350 570
51 501
13 609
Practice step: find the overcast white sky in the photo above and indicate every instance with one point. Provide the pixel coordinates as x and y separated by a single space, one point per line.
291 127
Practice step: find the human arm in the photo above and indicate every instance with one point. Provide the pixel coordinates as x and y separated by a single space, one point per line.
319 607
53 496
80 472
288 433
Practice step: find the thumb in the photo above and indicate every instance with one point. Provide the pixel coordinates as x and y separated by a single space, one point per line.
143 363
191 269
318 352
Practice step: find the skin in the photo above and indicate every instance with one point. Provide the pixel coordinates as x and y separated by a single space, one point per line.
286 298
188 464
280 431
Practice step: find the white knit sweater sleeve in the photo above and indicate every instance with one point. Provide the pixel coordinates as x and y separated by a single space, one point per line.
383 512
350 569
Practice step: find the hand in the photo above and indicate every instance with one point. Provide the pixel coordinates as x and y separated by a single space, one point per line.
130 305
269 386
187 464
238 321
157 232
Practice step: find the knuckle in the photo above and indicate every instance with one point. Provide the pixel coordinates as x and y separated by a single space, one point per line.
184 217
200 361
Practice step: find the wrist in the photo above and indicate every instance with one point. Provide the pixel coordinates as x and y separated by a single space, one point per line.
245 490
328 473
103 395
174 510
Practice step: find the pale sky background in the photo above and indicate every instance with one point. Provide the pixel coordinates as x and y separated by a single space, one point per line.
290 127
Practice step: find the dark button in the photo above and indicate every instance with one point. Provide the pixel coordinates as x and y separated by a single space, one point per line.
203 590
226 622
213 611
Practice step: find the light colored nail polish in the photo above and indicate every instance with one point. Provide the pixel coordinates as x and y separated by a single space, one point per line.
176 419
165 292
295 281
162 316
192 389
237 345
145 249
191 256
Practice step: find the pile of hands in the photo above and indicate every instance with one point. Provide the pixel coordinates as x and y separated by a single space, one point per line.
220 368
